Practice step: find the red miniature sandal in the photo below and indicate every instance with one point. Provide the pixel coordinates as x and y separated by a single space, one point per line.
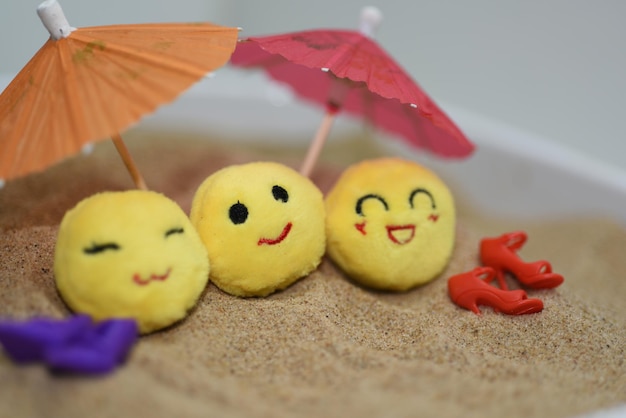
470 289
500 254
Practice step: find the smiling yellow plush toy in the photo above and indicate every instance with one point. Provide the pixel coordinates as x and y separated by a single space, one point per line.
390 224
131 254
262 224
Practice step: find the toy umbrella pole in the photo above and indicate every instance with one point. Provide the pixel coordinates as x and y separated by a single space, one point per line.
128 161
54 20
370 19
315 148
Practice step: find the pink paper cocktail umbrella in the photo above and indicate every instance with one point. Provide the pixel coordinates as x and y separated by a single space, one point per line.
347 70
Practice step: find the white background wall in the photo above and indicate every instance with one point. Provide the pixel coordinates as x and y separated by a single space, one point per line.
556 68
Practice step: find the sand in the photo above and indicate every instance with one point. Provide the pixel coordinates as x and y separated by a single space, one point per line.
324 346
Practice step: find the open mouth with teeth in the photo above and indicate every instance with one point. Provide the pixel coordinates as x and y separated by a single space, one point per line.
401 234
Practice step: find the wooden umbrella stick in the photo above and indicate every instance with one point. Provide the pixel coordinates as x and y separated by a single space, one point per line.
128 161
318 143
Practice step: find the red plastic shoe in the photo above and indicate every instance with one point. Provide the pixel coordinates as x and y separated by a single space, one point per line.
500 254
468 291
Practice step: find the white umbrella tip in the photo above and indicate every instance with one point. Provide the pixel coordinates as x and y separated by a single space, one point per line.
371 17
46 4
53 19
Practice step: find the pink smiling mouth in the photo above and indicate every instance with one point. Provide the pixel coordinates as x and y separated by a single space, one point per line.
153 277
274 241
397 235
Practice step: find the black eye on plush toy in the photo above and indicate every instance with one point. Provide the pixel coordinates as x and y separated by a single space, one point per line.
280 193
238 213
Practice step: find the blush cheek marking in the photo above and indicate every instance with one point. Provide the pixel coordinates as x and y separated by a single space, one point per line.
361 228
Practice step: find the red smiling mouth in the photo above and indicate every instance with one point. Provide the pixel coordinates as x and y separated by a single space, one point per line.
274 241
153 277
401 234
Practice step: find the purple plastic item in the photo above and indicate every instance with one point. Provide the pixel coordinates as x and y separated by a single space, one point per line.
75 344
98 351
26 342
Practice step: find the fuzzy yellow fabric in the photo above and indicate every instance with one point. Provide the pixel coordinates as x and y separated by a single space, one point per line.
131 254
262 224
390 224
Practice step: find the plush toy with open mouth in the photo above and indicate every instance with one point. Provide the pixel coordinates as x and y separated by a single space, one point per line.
390 224
131 254
263 226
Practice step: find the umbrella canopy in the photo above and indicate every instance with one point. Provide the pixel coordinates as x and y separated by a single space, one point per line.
91 83
347 70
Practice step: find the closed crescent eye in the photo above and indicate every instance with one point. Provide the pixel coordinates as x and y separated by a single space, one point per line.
359 203
174 231
426 192
99 248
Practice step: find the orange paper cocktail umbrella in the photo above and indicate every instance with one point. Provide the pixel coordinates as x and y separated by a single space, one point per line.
91 83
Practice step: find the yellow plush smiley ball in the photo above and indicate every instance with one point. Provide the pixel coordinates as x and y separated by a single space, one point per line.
131 254
390 224
262 224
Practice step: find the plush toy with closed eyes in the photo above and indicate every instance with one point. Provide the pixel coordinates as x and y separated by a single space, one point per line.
130 254
390 224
